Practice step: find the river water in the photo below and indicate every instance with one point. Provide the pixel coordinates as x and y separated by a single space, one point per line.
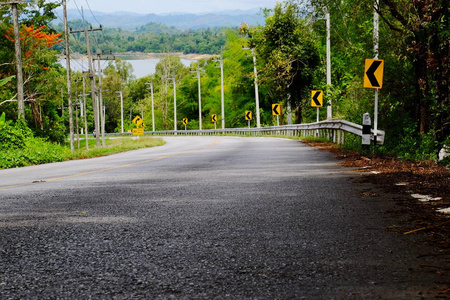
141 67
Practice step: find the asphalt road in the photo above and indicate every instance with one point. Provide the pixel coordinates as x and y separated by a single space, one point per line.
205 218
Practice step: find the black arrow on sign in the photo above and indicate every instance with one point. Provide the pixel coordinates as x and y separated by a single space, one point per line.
316 95
249 115
371 73
214 118
275 110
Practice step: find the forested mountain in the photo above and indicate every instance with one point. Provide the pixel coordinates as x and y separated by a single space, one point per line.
152 37
131 32
131 21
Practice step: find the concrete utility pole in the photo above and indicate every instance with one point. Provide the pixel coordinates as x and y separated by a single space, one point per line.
92 77
174 104
174 101
221 89
199 96
258 119
100 96
121 109
329 108
376 40
85 113
77 129
69 78
153 105
18 54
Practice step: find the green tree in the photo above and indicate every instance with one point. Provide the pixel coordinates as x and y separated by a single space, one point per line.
169 69
239 83
42 76
427 38
414 42
118 77
289 55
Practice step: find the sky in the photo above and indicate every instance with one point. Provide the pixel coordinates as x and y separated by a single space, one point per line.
168 6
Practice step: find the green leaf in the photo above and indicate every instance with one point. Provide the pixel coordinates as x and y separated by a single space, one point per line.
6 80
2 119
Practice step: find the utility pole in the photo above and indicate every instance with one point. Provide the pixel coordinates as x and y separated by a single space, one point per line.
329 108
174 101
121 109
255 71
100 96
77 129
18 54
199 96
85 113
69 78
221 89
153 105
174 104
92 77
376 40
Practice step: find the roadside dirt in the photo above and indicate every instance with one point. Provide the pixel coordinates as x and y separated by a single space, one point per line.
423 188
420 189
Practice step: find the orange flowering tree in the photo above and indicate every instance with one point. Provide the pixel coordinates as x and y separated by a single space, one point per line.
34 41
42 75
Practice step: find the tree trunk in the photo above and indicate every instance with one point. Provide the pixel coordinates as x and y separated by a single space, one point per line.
298 114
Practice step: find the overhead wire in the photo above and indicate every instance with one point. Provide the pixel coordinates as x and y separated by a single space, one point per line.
105 41
80 66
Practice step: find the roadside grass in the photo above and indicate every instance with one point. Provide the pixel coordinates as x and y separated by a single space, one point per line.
37 151
116 145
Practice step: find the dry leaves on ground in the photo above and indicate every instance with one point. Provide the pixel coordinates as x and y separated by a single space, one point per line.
421 189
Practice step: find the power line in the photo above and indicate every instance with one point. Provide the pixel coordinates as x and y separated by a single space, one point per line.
77 62
92 12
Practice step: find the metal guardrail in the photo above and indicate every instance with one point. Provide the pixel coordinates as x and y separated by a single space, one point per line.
333 129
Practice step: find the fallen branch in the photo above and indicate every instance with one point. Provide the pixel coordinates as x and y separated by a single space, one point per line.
427 227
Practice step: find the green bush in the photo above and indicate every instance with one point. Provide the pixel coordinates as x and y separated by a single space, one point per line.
36 151
14 136
416 146
20 148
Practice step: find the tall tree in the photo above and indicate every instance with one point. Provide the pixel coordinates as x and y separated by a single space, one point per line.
425 25
288 53
169 69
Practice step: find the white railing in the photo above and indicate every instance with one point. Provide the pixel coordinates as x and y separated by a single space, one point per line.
333 129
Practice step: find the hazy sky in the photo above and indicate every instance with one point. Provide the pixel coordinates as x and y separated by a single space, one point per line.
168 6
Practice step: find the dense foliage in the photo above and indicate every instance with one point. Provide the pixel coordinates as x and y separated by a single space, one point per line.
289 50
151 38
20 148
414 42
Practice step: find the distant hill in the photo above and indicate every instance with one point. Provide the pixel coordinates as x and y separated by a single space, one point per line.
132 21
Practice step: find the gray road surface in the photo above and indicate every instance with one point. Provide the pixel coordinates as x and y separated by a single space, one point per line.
205 218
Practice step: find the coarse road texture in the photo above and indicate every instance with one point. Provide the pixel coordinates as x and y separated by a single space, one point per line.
204 218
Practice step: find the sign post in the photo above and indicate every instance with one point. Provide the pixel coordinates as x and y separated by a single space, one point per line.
214 120
248 117
373 75
373 79
138 122
317 101
185 122
276 111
